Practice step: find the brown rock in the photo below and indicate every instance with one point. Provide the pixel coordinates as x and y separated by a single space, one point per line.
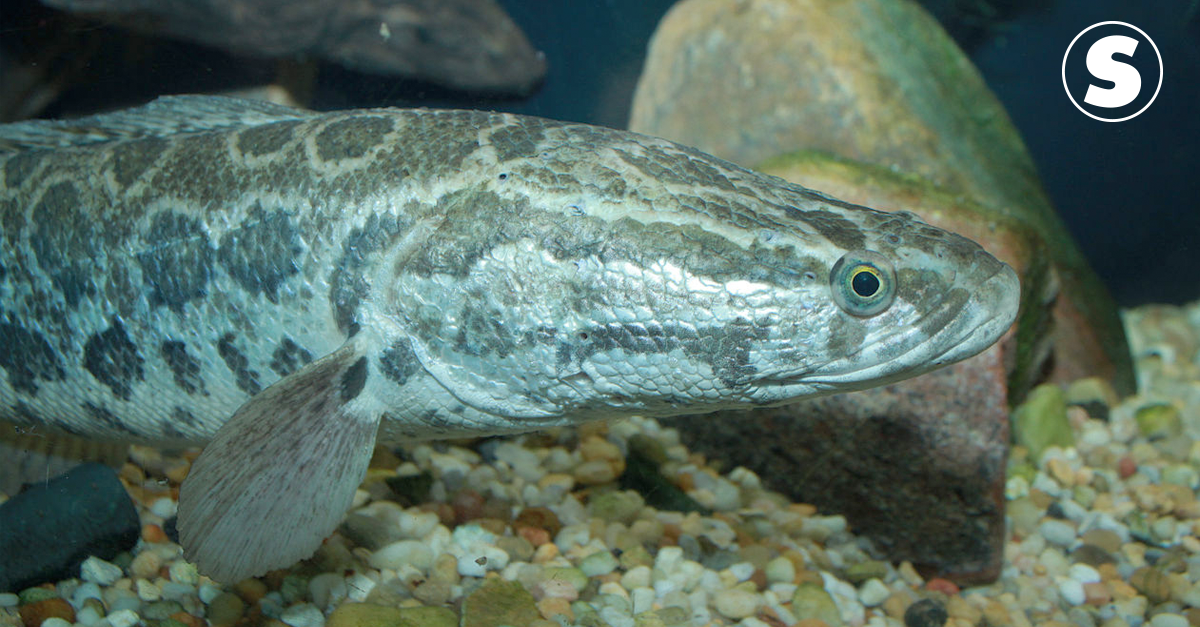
877 82
917 466
33 614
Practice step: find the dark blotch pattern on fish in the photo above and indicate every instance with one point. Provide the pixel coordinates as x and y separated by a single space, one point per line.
185 368
399 363
26 356
65 242
262 251
482 332
347 286
184 417
105 417
354 379
239 365
130 159
352 137
461 239
513 141
113 359
684 167
19 167
725 348
288 357
833 227
267 138
178 261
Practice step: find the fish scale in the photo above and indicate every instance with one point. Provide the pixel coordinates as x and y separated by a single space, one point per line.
289 286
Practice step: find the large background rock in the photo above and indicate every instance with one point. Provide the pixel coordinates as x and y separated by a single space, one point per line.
876 81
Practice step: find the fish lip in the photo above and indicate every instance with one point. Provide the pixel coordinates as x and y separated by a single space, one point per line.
972 334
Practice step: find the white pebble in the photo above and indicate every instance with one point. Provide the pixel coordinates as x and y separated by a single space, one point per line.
164 508
183 572
173 591
873 593
726 496
1055 562
303 615
668 559
1058 532
636 577
523 461
616 617
598 563
88 615
208 592
116 599
99 571
736 603
148 590
405 552
819 528
742 570
359 586
642 598
123 618
86 590
1071 591
1083 573
328 588
780 570
8 599
1160 620
55 621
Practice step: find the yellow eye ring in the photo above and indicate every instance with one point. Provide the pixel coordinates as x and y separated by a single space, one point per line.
863 283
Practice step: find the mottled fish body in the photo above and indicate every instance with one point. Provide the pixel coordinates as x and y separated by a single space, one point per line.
288 284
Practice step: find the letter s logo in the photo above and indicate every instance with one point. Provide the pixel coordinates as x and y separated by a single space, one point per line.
1107 71
1126 77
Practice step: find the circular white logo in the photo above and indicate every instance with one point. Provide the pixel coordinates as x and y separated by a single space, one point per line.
1108 70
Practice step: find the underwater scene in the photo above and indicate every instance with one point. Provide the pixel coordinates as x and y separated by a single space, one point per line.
608 313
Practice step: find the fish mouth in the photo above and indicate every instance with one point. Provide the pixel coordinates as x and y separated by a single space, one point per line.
989 310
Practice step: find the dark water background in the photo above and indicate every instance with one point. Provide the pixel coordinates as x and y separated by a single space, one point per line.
1129 191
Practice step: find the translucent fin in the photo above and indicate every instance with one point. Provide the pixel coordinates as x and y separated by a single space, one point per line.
34 455
280 475
165 117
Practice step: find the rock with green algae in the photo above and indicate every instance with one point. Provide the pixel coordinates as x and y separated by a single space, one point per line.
810 600
878 82
497 603
1159 421
372 615
1041 421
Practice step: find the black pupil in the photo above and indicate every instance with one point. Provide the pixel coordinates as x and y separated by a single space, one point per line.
865 284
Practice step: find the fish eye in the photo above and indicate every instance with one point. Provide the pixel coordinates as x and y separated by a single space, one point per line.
863 283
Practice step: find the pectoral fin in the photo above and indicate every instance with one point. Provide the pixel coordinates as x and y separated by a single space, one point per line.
280 475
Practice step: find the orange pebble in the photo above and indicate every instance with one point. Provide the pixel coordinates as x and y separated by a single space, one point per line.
153 533
534 535
942 585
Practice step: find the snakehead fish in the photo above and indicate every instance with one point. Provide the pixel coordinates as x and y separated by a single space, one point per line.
291 286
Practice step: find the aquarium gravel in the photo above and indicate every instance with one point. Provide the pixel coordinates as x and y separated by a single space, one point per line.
534 531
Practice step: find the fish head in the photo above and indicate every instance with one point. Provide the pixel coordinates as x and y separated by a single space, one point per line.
615 274
887 297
